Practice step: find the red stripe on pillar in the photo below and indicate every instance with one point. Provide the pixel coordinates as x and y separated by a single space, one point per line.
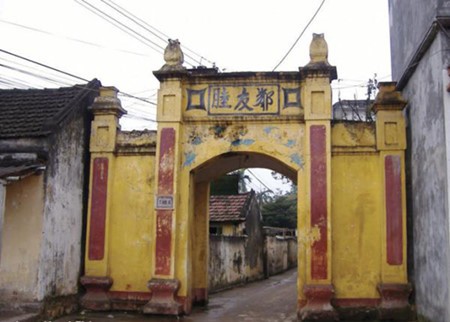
319 201
165 187
98 209
394 222
163 241
166 161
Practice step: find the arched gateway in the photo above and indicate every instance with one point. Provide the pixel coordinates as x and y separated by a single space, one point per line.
147 235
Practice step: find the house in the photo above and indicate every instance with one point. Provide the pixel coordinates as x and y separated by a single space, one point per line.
353 110
236 245
234 215
420 59
44 137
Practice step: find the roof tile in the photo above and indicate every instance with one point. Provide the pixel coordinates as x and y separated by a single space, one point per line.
26 112
228 207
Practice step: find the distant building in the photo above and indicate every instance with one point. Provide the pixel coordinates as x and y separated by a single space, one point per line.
234 215
420 59
44 162
353 110
236 244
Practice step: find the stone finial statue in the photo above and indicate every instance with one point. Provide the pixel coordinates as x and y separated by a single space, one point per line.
173 56
318 50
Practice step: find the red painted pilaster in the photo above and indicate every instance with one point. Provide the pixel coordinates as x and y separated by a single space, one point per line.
394 222
164 287
165 187
319 201
98 209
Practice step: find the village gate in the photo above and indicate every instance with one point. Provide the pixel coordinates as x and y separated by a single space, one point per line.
147 227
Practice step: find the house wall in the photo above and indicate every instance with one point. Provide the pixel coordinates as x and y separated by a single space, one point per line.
21 240
427 155
428 198
409 21
255 242
281 254
230 263
61 251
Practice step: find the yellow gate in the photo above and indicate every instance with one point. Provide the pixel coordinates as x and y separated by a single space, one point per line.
147 236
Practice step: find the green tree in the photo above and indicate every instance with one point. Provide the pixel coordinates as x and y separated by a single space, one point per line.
281 211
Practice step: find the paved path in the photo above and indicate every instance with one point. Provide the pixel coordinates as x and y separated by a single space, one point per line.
271 300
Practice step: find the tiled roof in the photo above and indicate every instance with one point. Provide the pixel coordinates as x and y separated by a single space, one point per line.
34 112
229 207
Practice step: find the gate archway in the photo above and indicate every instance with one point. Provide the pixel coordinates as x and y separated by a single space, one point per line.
147 189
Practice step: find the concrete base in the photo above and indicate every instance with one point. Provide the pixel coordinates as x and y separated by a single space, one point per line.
318 304
96 297
394 303
163 299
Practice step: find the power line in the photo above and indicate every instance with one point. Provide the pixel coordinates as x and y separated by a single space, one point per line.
71 39
119 25
300 36
43 65
142 26
258 179
116 23
156 30
39 70
121 11
69 74
32 74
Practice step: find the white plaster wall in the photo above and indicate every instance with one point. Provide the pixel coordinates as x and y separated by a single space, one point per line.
63 212
428 210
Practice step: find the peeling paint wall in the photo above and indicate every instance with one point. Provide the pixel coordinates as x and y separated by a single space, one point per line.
22 240
281 254
131 232
237 259
428 185
228 264
427 153
357 209
63 213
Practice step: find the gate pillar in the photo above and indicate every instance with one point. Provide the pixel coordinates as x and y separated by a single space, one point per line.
107 111
394 288
318 289
164 285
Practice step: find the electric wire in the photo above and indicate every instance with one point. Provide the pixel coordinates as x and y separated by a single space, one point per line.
118 25
84 42
70 74
144 27
111 19
300 36
256 177
32 74
43 65
63 77
156 30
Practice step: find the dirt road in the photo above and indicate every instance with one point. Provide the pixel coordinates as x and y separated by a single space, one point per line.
271 300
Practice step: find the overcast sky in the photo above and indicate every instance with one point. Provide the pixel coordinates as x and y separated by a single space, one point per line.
236 35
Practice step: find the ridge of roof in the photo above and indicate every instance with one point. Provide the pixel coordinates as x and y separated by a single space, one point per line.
229 207
36 112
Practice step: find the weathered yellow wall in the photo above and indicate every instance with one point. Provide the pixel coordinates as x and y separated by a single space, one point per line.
356 214
228 230
351 264
131 223
22 235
